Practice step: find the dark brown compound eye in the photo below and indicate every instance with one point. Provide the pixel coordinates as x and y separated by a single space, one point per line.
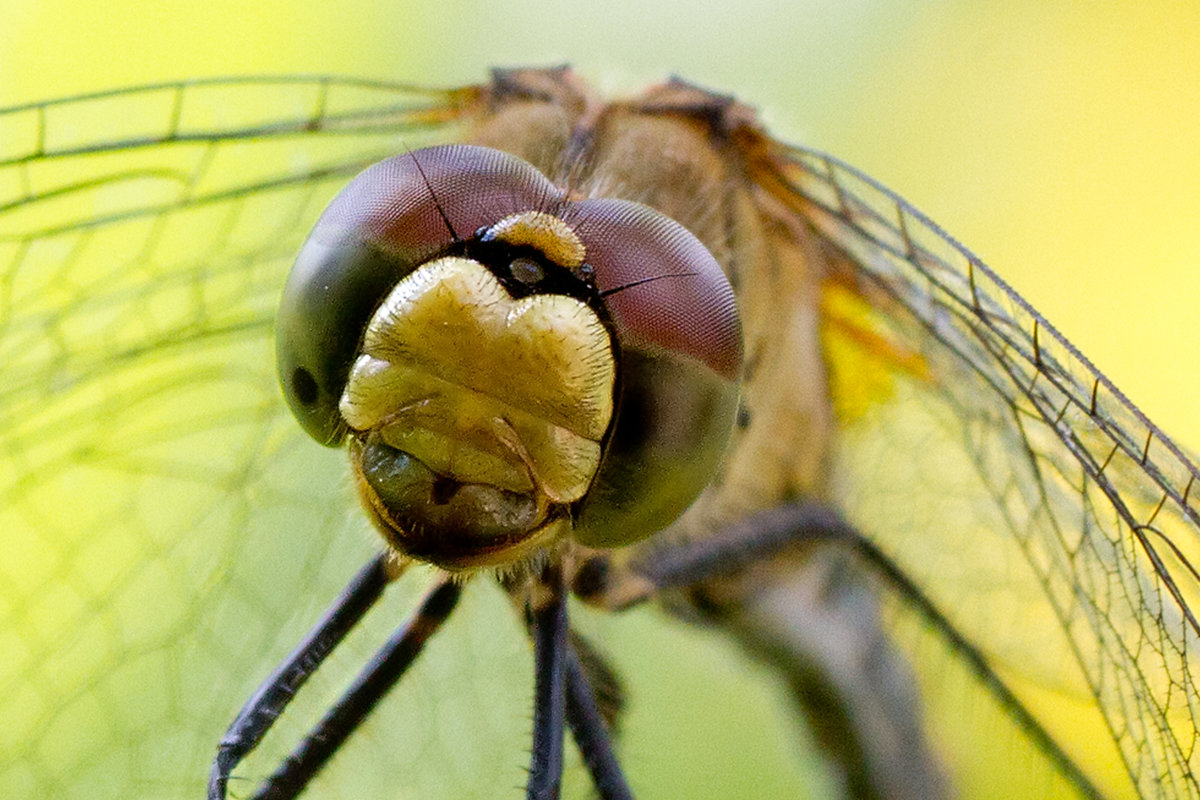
679 336
660 283
384 224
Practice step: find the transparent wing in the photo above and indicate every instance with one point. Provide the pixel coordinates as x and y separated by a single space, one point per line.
165 522
1052 522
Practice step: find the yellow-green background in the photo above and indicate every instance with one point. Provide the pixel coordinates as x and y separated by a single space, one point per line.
1060 141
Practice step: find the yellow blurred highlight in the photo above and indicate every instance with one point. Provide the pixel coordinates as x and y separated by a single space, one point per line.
861 360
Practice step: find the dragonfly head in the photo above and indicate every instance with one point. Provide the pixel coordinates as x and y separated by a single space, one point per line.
509 369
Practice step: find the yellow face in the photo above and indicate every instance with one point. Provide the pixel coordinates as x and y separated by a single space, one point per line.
477 414
483 387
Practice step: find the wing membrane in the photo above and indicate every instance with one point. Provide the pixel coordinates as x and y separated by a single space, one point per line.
148 461
185 216
1075 564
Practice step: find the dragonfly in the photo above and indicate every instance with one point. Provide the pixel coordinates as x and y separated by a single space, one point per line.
911 447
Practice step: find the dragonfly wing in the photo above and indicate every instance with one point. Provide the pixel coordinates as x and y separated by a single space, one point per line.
161 510
1051 522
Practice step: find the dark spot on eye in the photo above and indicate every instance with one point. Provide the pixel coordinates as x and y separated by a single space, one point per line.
304 386
743 417
526 270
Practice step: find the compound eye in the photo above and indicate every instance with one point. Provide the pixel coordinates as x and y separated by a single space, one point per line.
383 225
660 283
679 335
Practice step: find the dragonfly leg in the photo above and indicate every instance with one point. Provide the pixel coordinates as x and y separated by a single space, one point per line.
567 670
589 727
820 627
380 674
548 627
783 582
684 563
272 697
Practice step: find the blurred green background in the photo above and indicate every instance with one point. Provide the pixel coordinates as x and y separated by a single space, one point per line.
1058 141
